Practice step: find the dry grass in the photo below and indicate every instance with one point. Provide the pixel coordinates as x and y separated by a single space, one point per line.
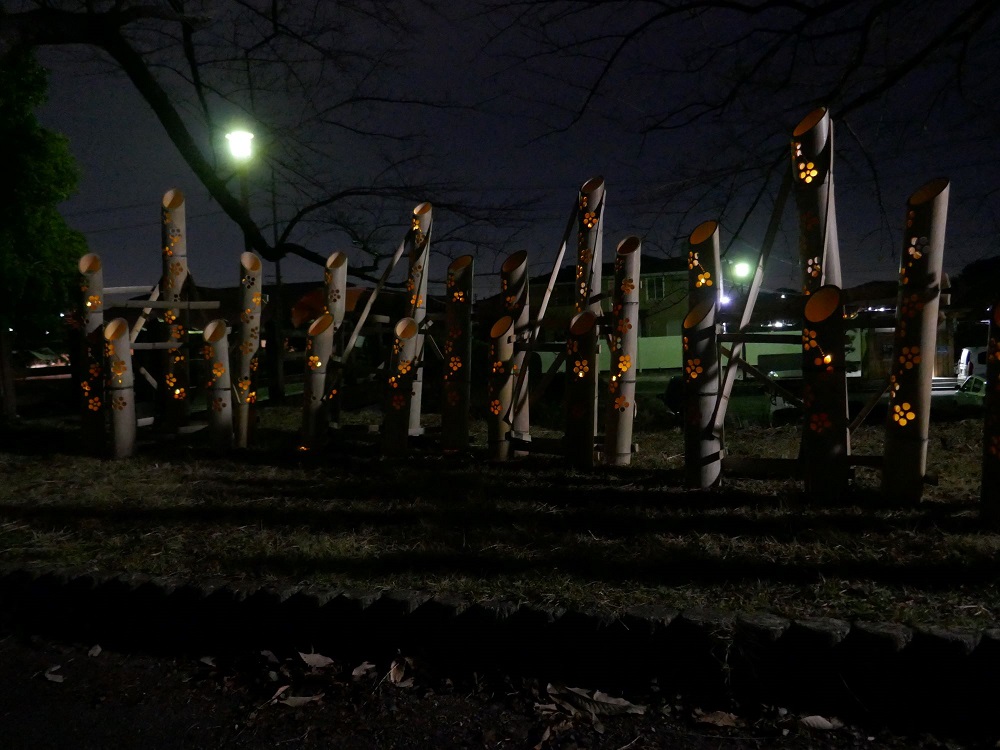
524 531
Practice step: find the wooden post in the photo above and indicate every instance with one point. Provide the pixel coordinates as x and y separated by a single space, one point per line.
908 419
624 338
825 438
989 495
457 354
218 384
120 392
92 416
500 389
176 385
581 389
416 285
244 389
399 390
702 442
319 347
514 288
812 168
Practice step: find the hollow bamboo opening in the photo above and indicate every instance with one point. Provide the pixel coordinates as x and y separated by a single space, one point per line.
703 232
516 260
405 328
250 262
629 245
214 331
822 303
173 198
501 327
325 320
929 191
462 261
115 329
90 263
422 208
594 183
809 122
336 260
582 323
698 313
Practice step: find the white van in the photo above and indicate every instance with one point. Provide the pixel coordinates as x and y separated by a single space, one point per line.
972 361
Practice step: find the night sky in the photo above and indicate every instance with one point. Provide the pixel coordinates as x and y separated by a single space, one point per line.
504 148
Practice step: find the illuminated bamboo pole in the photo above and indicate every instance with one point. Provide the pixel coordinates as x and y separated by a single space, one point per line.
624 339
702 442
514 288
581 389
92 416
825 437
908 420
120 392
319 347
335 284
177 372
812 168
416 285
399 390
500 388
244 389
218 384
589 259
990 492
457 354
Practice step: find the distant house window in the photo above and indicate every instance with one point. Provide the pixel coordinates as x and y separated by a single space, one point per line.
656 288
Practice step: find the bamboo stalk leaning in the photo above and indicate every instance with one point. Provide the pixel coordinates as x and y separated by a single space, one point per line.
244 388
218 383
176 371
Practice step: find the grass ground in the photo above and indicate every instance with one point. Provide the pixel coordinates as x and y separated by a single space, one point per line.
528 530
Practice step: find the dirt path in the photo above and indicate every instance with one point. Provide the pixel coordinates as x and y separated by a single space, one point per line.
58 695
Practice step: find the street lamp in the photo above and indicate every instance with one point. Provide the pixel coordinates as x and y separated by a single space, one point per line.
741 269
241 149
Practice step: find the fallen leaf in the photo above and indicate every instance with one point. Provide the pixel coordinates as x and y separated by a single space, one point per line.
719 719
397 670
816 722
617 705
362 669
94 651
209 660
278 692
576 700
296 701
53 677
269 655
316 661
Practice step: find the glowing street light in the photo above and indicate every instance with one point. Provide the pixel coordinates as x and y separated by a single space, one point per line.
741 269
240 144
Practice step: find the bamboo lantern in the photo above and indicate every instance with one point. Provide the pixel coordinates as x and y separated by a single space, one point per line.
702 447
825 437
812 169
416 285
335 283
92 417
581 389
514 288
457 354
177 372
500 388
120 381
911 377
319 347
990 492
399 390
218 384
588 247
624 339
244 389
